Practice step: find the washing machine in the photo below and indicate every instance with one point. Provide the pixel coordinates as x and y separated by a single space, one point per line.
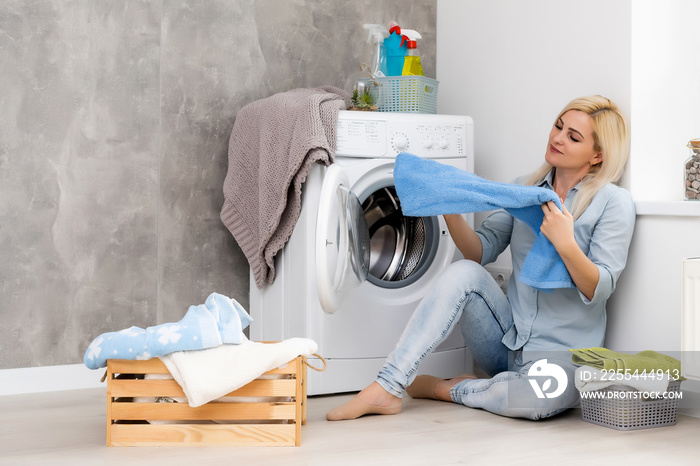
355 268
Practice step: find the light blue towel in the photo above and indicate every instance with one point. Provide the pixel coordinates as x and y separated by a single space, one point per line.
219 320
427 187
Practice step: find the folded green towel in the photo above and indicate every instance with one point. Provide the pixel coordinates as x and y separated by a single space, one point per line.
649 361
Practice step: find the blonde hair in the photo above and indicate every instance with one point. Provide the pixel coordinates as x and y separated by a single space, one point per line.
610 137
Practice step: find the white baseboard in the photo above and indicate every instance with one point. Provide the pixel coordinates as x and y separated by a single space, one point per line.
49 379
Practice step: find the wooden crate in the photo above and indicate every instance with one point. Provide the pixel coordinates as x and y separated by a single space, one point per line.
274 420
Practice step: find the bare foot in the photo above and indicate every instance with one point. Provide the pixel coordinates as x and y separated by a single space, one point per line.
427 386
375 395
372 400
442 389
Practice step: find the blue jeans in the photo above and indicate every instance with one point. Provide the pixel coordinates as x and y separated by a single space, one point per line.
467 294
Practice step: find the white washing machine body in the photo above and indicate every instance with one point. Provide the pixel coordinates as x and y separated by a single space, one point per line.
355 268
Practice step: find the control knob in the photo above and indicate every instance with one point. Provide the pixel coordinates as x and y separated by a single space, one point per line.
400 142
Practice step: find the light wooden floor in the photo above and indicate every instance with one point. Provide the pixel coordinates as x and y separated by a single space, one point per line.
68 428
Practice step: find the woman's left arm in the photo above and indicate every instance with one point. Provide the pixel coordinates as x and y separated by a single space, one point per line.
558 227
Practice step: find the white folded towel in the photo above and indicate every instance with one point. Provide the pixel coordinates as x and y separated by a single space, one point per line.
209 374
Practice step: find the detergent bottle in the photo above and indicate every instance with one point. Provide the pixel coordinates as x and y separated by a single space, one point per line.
395 48
411 64
376 36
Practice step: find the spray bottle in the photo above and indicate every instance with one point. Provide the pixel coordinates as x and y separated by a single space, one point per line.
411 65
376 36
395 50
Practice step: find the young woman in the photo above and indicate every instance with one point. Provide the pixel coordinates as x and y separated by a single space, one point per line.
513 337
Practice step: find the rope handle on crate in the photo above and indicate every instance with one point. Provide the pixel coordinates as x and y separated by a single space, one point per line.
316 368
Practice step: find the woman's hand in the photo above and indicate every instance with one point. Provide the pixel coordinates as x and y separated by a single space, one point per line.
558 227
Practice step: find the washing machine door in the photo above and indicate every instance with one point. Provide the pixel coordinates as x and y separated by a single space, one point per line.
342 240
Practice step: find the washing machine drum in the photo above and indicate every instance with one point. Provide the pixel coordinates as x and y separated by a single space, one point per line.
365 237
401 248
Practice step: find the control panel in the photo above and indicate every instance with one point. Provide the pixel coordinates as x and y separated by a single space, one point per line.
385 135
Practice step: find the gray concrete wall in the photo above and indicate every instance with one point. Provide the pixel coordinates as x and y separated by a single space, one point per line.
114 124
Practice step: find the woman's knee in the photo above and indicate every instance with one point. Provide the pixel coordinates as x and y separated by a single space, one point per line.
465 267
467 274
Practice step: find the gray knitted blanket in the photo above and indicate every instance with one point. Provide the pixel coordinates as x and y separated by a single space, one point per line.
273 145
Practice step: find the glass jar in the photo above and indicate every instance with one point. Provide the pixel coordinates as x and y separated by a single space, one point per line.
365 89
692 171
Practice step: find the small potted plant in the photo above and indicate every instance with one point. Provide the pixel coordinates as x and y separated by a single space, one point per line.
365 97
365 89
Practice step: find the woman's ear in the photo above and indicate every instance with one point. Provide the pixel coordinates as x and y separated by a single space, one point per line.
596 159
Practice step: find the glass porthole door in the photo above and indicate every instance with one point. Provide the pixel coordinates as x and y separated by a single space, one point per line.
342 240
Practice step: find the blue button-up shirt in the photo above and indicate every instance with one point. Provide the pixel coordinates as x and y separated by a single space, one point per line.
564 318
